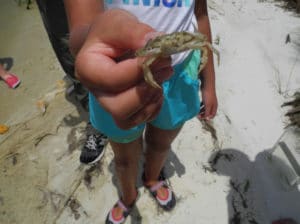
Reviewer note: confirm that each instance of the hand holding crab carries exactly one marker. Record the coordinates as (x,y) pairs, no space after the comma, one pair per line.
(166,45)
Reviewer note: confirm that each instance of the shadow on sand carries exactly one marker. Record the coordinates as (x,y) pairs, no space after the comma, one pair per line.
(255,187)
(7,62)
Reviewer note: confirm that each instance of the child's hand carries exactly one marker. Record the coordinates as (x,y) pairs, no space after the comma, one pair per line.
(112,34)
(133,106)
(210,104)
(117,84)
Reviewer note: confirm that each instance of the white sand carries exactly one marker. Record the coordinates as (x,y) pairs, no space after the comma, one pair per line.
(258,72)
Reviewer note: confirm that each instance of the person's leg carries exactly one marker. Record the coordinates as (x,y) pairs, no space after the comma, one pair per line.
(55,22)
(126,157)
(158,143)
(2,72)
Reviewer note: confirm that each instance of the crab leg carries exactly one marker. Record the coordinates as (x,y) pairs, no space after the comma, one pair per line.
(204,53)
(204,57)
(148,76)
(214,50)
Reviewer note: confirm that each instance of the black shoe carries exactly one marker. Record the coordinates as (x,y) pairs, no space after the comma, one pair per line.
(93,148)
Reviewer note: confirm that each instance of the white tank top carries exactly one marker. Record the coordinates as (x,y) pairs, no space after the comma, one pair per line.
(163,15)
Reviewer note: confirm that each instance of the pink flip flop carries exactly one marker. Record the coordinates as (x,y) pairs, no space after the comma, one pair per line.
(12,80)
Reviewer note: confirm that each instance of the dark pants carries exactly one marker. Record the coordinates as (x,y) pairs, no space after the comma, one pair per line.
(55,21)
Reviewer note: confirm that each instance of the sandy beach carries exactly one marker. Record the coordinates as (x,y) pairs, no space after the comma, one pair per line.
(219,177)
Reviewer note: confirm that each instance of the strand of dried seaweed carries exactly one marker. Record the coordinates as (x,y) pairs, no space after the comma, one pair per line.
(294,112)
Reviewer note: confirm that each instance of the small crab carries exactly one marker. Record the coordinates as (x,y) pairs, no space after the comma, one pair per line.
(166,45)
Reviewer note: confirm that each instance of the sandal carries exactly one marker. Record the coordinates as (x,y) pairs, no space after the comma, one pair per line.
(12,80)
(167,203)
(111,219)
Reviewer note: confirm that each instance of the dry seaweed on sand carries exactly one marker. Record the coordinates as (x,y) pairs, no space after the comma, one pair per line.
(293,113)
(290,4)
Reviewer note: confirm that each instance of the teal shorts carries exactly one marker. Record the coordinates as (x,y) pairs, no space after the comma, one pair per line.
(181,103)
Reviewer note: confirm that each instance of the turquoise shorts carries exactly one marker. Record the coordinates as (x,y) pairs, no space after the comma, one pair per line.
(181,103)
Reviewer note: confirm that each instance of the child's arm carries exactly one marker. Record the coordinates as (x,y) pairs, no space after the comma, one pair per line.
(81,17)
(208,73)
(110,37)
(118,85)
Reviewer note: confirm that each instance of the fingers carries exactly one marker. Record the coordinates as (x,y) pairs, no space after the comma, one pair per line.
(95,63)
(201,111)
(132,107)
(210,104)
(105,61)
(127,103)
(106,67)
(102,72)
(208,111)
(146,114)
(162,69)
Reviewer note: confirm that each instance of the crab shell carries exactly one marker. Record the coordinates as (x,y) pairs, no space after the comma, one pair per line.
(173,43)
